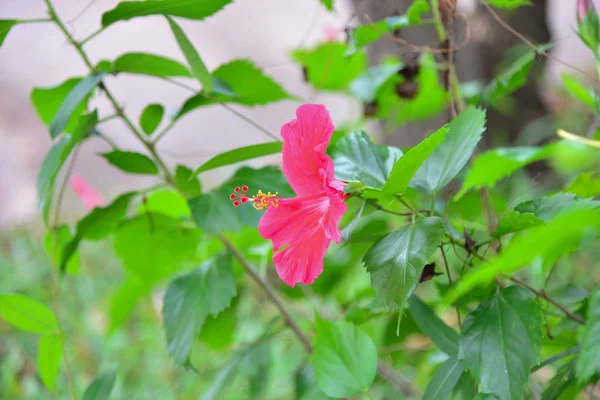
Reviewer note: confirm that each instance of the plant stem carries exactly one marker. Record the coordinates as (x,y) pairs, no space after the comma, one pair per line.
(93,35)
(451,284)
(557,357)
(34,21)
(380,208)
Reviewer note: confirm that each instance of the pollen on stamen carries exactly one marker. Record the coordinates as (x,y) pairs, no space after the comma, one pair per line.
(264,201)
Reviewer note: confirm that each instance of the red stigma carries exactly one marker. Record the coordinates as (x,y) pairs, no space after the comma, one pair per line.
(245,188)
(244,199)
(236,203)
(232,197)
(237,189)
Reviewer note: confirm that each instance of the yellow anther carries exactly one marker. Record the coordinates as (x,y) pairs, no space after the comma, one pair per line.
(262,201)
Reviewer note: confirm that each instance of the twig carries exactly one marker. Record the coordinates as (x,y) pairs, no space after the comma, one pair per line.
(34,21)
(557,357)
(451,284)
(544,295)
(380,208)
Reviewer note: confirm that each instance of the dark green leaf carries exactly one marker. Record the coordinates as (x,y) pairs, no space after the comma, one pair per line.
(187,181)
(199,70)
(559,236)
(217,332)
(101,387)
(440,334)
(548,207)
(514,221)
(366,86)
(129,161)
(329,67)
(240,154)
(349,229)
(151,118)
(446,161)
(563,380)
(5,25)
(150,64)
(191,9)
(345,359)
(496,164)
(48,100)
(73,102)
(49,359)
(161,244)
(588,361)
(445,379)
(508,3)
(102,221)
(27,314)
(57,250)
(357,158)
(580,92)
(395,261)
(328,4)
(407,166)
(191,298)
(501,341)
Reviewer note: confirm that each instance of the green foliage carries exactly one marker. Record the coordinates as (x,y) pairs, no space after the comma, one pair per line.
(514,221)
(367,85)
(27,314)
(151,117)
(508,3)
(187,181)
(47,102)
(328,4)
(585,185)
(101,387)
(132,162)
(440,334)
(548,207)
(589,30)
(445,379)
(55,244)
(580,92)
(239,155)
(49,359)
(345,359)
(588,360)
(561,382)
(5,25)
(150,64)
(501,341)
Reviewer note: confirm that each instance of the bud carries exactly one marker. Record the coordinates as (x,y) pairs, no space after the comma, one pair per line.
(583,6)
(588,25)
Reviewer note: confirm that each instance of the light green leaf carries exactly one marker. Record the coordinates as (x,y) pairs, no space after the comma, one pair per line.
(191,9)
(187,181)
(498,163)
(49,359)
(167,202)
(124,300)
(240,154)
(514,221)
(328,66)
(560,236)
(328,4)
(199,70)
(161,244)
(130,161)
(580,92)
(508,3)
(218,332)
(585,185)
(73,102)
(444,380)
(5,25)
(416,10)
(191,298)
(395,261)
(366,86)
(345,359)
(48,100)
(357,158)
(27,314)
(501,341)
(548,207)
(151,118)
(57,251)
(446,161)
(440,334)
(101,387)
(150,64)
(407,166)
(588,360)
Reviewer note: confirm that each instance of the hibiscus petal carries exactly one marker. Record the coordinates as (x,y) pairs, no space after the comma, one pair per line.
(305,141)
(85,192)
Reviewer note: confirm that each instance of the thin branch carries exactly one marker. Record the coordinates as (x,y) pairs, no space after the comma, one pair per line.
(451,284)
(380,208)
(544,295)
(248,120)
(34,21)
(557,357)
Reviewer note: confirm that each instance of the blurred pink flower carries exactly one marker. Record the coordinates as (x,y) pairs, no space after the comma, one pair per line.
(87,194)
(303,227)
(583,6)
(330,33)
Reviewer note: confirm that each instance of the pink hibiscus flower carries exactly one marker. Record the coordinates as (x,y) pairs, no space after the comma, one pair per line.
(87,194)
(302,228)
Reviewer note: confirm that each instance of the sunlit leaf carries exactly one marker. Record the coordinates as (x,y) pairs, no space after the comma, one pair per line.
(5,25)
(150,64)
(585,185)
(151,117)
(580,92)
(328,4)
(27,314)
(514,221)
(240,154)
(124,300)
(508,3)
(167,202)
(49,359)
(55,242)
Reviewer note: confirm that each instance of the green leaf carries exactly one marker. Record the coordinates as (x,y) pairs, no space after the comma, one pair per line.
(124,300)
(357,158)
(349,229)
(589,30)
(73,102)
(561,382)
(27,314)
(328,4)
(214,212)
(514,221)
(167,202)
(416,10)
(444,380)
(48,100)
(5,25)
(56,157)
(501,341)
(129,161)
(508,3)
(150,64)
(187,181)
(407,166)
(588,360)
(151,118)
(102,221)
(395,261)
(345,359)
(448,159)
(101,387)
(240,154)
(498,163)
(440,334)
(191,298)
(57,251)
(580,92)
(366,86)
(585,185)
(548,207)
(559,236)
(161,244)
(240,82)
(199,70)
(217,332)
(328,66)
(191,9)
(49,359)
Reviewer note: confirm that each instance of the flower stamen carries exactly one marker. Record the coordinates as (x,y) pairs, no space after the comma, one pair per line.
(265,201)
